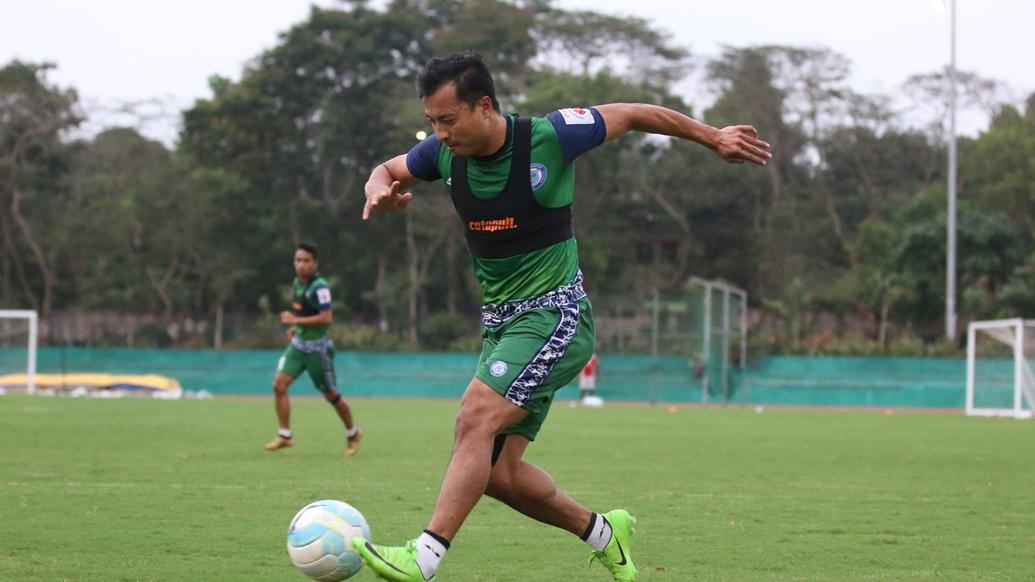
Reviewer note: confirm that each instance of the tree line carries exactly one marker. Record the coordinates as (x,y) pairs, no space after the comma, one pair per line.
(840,241)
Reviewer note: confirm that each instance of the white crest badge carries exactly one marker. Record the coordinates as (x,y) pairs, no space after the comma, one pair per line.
(498,368)
(577,116)
(538,172)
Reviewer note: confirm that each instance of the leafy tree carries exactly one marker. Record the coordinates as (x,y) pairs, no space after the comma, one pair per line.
(34,158)
(842,233)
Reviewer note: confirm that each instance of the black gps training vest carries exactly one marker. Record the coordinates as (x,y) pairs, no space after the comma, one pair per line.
(300,304)
(511,222)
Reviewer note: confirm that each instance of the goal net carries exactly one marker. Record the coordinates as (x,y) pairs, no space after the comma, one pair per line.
(688,343)
(1000,356)
(18,338)
(720,351)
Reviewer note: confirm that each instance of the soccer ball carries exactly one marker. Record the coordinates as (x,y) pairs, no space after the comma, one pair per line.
(319,540)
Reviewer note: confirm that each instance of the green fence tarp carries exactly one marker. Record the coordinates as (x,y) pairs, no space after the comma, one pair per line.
(857,381)
(792,380)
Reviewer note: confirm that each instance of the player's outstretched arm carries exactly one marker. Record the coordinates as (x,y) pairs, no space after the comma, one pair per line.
(384,186)
(735,144)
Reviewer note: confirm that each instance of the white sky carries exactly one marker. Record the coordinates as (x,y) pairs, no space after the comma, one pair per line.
(122,51)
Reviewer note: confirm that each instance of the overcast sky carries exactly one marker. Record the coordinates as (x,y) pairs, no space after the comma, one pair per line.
(116,51)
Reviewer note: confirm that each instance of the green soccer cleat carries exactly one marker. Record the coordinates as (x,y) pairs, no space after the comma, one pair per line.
(397,564)
(617,556)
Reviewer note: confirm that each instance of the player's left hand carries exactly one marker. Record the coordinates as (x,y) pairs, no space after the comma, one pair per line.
(739,143)
(287,318)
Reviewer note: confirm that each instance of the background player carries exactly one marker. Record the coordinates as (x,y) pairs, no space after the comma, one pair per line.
(310,349)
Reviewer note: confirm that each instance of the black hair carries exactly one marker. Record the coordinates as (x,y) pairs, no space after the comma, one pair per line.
(309,248)
(469,72)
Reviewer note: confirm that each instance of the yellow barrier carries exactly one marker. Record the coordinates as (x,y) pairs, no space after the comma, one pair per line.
(144,383)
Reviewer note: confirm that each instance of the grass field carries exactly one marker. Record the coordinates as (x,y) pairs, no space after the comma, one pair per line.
(182,490)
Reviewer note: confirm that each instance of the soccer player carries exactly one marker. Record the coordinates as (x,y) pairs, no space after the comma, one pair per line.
(310,350)
(512,182)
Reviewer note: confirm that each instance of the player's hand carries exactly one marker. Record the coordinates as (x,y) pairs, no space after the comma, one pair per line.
(290,333)
(287,318)
(739,143)
(385,200)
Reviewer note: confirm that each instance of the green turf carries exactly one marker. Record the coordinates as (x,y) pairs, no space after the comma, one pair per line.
(152,490)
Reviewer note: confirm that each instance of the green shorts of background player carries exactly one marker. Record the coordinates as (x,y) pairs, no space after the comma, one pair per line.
(319,364)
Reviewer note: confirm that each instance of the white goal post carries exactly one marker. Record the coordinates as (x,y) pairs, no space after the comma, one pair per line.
(719,325)
(33,324)
(1000,381)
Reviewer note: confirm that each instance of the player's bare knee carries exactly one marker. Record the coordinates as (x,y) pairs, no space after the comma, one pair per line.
(280,388)
(473,420)
(483,414)
(469,424)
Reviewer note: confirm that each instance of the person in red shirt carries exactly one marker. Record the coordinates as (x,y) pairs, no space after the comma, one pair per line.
(588,383)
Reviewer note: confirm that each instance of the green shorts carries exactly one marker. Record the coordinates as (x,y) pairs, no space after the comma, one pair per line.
(532,355)
(319,364)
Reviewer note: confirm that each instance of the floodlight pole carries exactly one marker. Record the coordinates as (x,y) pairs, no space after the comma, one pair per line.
(950,255)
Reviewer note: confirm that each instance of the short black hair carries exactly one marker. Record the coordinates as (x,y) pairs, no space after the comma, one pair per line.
(309,248)
(469,72)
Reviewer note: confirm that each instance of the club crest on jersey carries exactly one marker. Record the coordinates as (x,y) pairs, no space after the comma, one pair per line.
(538,172)
(498,368)
(577,116)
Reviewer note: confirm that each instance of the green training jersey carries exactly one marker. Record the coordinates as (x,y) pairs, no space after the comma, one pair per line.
(557,140)
(310,298)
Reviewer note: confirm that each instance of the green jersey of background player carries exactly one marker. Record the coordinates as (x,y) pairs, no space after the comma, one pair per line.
(310,349)
(512,184)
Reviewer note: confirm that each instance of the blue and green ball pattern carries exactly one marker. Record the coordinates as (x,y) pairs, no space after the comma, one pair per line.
(320,540)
